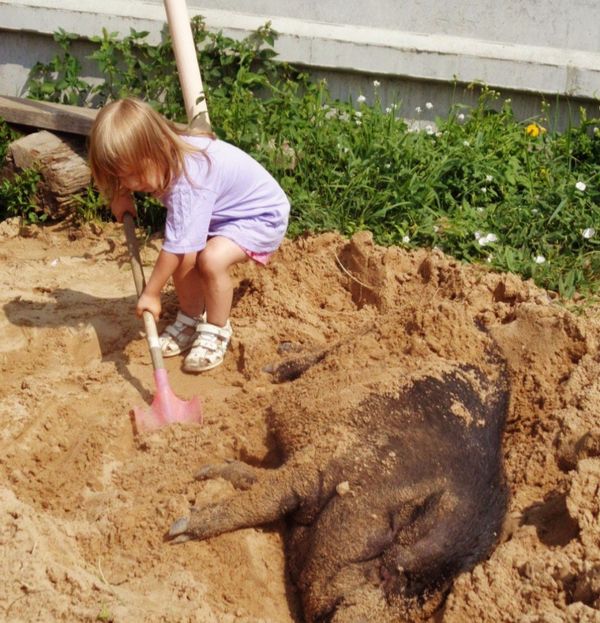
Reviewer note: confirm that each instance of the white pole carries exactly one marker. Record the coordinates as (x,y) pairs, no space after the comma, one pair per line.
(187,64)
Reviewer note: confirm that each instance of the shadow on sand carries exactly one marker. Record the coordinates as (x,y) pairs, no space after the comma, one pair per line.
(112,319)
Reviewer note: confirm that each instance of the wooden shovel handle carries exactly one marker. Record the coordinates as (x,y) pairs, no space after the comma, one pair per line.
(188,69)
(140,283)
(134,253)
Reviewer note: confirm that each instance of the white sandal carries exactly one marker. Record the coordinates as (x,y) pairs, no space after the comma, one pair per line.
(208,348)
(179,336)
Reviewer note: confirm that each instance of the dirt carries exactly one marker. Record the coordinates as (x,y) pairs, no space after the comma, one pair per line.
(85,503)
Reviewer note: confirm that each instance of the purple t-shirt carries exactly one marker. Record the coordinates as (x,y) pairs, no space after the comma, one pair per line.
(226,194)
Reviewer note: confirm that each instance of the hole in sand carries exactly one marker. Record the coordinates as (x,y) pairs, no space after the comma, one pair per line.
(554,525)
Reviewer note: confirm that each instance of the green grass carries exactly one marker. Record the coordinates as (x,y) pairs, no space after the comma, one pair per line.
(480,185)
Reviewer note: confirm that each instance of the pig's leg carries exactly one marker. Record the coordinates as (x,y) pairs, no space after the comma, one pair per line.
(274,494)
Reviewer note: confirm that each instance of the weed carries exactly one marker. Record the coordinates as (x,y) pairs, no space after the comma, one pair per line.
(18,197)
(90,206)
(104,615)
(7,135)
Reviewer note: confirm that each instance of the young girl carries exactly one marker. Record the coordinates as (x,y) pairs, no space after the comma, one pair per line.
(222,206)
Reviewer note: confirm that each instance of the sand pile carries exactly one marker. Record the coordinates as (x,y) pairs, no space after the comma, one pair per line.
(84,504)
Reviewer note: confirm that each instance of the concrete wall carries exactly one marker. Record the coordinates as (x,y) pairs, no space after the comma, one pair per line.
(418,50)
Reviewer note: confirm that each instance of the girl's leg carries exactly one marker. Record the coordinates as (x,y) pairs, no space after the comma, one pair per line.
(213,263)
(189,286)
(179,336)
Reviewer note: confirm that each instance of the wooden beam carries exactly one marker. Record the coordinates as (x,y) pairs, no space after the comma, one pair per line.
(47,115)
(62,162)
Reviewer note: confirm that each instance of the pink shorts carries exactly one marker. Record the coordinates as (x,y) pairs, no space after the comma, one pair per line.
(261,258)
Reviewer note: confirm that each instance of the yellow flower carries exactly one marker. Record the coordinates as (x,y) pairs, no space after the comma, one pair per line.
(534,130)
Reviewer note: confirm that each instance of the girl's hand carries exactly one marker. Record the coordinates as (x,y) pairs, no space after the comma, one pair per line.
(121,204)
(150,302)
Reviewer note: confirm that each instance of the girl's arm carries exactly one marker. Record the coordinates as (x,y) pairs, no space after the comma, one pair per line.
(165,266)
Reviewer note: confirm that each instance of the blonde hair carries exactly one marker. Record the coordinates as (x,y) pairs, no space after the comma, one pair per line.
(128,134)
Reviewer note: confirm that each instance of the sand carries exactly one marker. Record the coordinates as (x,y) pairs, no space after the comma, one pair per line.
(85,503)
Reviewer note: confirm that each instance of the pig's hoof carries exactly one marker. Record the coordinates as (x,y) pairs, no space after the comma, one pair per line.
(182,538)
(179,528)
(202,523)
(240,475)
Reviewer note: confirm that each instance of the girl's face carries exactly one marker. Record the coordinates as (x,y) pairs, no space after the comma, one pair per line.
(145,180)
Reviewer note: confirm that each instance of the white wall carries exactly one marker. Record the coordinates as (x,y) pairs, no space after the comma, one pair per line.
(417,49)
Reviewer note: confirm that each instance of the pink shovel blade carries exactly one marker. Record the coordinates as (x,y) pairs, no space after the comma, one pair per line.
(166,408)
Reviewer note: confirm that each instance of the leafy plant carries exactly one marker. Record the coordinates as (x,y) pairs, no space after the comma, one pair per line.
(7,135)
(18,197)
(59,80)
(479,184)
(90,206)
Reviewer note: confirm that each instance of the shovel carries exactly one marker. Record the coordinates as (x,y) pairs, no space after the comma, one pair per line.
(166,408)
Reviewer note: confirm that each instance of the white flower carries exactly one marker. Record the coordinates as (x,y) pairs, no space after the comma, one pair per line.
(439,134)
(435,229)
(580,186)
(429,129)
(539,259)
(418,110)
(489,178)
(376,83)
(388,110)
(480,209)
(466,143)
(461,117)
(489,259)
(405,239)
(361,99)
(387,165)
(477,235)
(357,113)
(483,190)
(344,116)
(429,105)
(331,114)
(588,233)
(534,210)
(487,239)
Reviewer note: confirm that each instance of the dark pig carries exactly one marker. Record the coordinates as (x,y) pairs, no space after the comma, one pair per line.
(392,482)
